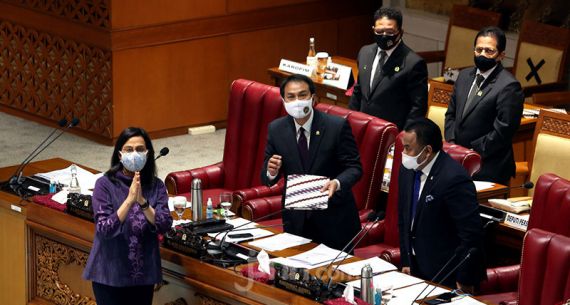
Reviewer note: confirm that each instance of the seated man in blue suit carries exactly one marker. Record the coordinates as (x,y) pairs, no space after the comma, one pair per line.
(308,141)
(438,213)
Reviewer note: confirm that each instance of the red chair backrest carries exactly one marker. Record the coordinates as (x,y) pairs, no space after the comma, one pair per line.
(551,205)
(252,106)
(545,268)
(373,138)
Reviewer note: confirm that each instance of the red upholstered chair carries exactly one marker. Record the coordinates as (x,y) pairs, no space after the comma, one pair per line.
(545,268)
(373,137)
(251,107)
(550,211)
(383,239)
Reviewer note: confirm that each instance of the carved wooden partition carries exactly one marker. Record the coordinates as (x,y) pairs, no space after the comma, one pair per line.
(164,66)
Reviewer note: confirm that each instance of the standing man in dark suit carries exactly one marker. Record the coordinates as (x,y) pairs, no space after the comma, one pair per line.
(308,141)
(392,79)
(438,213)
(486,108)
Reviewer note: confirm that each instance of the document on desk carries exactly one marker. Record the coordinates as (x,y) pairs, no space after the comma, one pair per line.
(86,178)
(378,266)
(466,301)
(405,296)
(483,185)
(320,255)
(256,233)
(280,242)
(396,279)
(304,192)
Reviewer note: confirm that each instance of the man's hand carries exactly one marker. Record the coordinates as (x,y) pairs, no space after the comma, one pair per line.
(406,270)
(273,165)
(466,288)
(331,186)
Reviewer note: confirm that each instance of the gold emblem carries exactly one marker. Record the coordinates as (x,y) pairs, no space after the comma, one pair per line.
(318,133)
(397,69)
(364,67)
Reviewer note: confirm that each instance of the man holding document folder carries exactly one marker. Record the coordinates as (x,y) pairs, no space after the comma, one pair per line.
(310,142)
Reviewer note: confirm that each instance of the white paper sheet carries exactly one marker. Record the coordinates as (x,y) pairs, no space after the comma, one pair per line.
(377,264)
(394,278)
(483,185)
(405,296)
(319,256)
(280,242)
(86,179)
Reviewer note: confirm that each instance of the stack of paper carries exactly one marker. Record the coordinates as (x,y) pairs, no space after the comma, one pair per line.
(280,242)
(304,192)
(483,185)
(378,266)
(319,256)
(86,179)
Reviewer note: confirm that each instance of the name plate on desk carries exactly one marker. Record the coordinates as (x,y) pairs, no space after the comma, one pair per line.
(295,67)
(517,221)
(338,76)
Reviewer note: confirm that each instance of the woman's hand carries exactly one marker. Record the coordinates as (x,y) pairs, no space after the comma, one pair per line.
(138,195)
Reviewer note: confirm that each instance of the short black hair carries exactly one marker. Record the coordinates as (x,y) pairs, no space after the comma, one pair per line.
(297,78)
(148,173)
(496,33)
(390,13)
(427,133)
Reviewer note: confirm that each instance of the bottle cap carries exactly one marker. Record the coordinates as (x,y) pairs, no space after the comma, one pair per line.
(312,39)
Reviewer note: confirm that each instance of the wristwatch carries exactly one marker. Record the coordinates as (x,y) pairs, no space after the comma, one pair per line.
(145,205)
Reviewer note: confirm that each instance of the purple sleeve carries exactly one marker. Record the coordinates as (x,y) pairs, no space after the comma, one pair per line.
(107,223)
(162,217)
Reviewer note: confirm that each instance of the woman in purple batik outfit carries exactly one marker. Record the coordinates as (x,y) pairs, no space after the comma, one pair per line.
(130,205)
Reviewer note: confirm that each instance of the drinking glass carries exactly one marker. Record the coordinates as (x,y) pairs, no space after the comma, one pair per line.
(322,58)
(226,202)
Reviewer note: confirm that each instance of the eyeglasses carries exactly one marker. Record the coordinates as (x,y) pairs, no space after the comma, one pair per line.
(130,149)
(487,51)
(303,95)
(388,32)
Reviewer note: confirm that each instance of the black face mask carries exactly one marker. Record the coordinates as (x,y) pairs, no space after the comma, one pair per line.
(484,63)
(386,42)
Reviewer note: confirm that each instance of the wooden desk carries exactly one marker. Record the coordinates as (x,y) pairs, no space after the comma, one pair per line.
(327,94)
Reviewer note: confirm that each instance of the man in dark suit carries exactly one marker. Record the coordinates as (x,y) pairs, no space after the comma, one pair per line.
(308,141)
(486,108)
(438,213)
(392,79)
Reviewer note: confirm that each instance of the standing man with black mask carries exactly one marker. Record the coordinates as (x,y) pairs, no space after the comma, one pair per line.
(486,108)
(392,79)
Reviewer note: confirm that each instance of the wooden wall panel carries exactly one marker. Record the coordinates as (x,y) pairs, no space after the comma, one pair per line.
(170,86)
(267,47)
(131,13)
(235,6)
(353,33)
(12,257)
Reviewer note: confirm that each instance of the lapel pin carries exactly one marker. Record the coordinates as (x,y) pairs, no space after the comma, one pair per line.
(480,93)
(431,178)
(397,69)
(318,133)
(364,67)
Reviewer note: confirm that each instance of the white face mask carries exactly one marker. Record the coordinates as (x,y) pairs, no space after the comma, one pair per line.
(410,162)
(299,108)
(133,161)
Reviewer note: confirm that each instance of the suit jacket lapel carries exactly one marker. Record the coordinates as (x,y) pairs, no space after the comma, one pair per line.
(367,73)
(291,136)
(396,59)
(485,88)
(428,186)
(317,133)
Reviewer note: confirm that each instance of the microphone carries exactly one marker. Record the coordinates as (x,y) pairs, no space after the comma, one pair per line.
(18,173)
(467,256)
(163,152)
(527,185)
(374,217)
(16,181)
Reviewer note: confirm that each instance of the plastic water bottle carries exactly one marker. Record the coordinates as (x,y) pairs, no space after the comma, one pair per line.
(74,184)
(209,209)
(52,186)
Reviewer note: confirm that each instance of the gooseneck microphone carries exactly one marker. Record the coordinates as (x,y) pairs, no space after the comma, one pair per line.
(16,177)
(373,217)
(467,256)
(163,152)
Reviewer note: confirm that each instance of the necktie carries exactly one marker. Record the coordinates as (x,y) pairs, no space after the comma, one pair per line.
(473,91)
(417,184)
(378,70)
(303,148)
